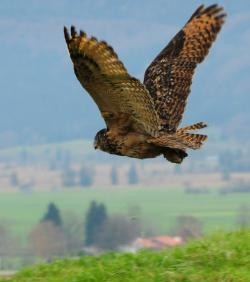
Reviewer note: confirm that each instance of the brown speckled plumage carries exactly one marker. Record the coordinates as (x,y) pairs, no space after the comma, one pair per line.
(169,76)
(142,119)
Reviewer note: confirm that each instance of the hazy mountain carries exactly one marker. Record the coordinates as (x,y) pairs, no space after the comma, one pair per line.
(41,100)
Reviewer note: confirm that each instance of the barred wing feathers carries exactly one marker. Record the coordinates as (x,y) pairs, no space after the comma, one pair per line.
(104,76)
(169,76)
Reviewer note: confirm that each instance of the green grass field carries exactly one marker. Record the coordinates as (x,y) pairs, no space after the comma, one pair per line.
(222,257)
(158,205)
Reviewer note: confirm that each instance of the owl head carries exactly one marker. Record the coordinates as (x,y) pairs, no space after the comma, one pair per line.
(101,141)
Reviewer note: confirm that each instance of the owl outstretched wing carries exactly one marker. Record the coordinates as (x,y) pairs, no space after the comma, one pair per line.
(169,76)
(115,92)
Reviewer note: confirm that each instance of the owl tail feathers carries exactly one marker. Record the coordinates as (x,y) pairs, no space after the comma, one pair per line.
(192,127)
(182,139)
(194,141)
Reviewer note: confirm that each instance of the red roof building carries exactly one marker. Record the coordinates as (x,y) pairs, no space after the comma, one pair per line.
(157,243)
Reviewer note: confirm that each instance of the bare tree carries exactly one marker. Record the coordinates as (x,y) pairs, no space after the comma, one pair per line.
(69,177)
(118,230)
(47,240)
(73,231)
(114,176)
(243,217)
(188,227)
(86,176)
(14,179)
(9,246)
(132,175)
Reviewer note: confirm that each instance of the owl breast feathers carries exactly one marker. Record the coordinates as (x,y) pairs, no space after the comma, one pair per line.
(142,119)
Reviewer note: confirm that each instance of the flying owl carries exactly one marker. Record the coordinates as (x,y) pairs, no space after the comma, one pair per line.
(142,119)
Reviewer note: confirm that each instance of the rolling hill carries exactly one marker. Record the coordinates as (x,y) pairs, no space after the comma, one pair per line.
(222,257)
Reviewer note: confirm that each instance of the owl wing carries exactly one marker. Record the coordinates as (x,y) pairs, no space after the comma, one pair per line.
(169,76)
(116,93)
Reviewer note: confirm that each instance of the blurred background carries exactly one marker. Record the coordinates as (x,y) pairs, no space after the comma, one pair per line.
(60,197)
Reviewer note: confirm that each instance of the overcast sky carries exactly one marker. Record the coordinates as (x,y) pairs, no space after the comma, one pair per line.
(36,75)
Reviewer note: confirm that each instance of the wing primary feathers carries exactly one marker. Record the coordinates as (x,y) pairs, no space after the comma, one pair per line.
(73,31)
(169,77)
(221,16)
(192,127)
(104,76)
(66,35)
(210,10)
(197,12)
(82,33)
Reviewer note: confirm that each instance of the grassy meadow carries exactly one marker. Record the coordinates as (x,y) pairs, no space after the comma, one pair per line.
(223,257)
(159,207)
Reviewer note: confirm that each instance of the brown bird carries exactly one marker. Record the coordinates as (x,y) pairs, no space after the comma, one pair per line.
(142,118)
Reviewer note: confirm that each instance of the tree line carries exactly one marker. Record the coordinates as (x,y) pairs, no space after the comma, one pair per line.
(72,177)
(73,235)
